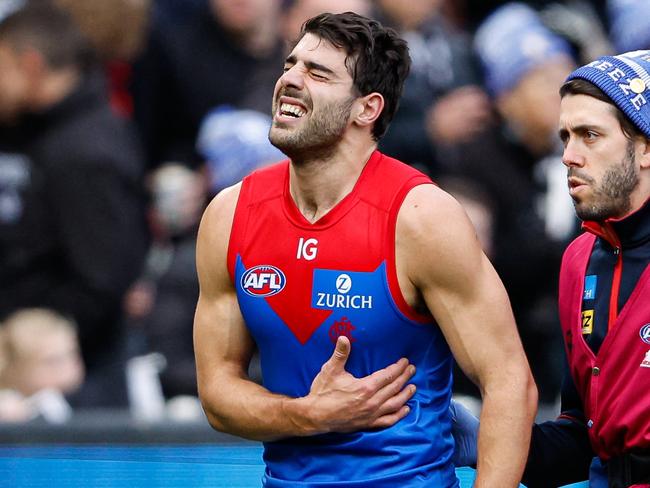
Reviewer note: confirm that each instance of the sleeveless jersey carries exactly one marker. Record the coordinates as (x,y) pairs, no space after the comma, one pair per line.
(300,285)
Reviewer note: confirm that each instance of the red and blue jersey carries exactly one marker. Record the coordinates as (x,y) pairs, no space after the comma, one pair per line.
(300,285)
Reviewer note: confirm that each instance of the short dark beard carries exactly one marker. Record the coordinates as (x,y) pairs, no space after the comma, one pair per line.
(319,138)
(612,198)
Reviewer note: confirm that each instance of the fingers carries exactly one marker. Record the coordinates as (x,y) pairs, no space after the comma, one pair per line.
(383,377)
(390,419)
(390,400)
(376,400)
(340,355)
(397,385)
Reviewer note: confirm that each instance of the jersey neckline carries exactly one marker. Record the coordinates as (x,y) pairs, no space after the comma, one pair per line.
(340,209)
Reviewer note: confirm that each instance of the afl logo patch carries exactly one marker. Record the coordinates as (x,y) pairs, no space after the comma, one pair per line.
(263,281)
(645,333)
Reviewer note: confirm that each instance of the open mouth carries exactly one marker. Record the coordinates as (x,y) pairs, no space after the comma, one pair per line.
(291,110)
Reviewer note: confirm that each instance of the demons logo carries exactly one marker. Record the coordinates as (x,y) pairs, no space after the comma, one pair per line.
(341,328)
(263,281)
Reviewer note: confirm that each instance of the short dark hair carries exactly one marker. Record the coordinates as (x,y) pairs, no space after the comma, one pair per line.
(579,86)
(377,58)
(43,26)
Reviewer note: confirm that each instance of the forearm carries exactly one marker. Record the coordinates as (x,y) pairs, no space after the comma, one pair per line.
(337,401)
(239,406)
(504,434)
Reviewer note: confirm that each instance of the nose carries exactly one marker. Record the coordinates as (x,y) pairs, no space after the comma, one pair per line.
(292,77)
(571,155)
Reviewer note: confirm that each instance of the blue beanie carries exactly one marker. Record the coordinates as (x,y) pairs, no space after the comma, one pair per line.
(626,80)
(235,142)
(510,42)
(630,24)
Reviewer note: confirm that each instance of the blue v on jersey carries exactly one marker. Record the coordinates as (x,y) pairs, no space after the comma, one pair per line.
(301,285)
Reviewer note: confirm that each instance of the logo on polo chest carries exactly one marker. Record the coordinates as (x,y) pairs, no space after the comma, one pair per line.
(334,289)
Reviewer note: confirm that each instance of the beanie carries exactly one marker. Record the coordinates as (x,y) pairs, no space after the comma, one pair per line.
(510,42)
(625,79)
(235,142)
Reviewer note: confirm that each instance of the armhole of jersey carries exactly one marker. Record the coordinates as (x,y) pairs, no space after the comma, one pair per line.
(238,228)
(391,265)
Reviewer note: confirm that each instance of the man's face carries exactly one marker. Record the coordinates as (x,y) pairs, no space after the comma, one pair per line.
(48,360)
(533,105)
(603,174)
(14,83)
(312,101)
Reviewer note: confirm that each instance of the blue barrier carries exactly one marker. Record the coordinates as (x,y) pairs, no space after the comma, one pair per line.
(214,466)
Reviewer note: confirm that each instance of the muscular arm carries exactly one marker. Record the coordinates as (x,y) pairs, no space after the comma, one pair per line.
(439,256)
(223,347)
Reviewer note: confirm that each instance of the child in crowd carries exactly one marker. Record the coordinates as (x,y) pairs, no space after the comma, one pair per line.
(40,362)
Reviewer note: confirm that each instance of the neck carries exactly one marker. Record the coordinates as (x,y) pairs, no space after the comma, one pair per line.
(641,197)
(318,184)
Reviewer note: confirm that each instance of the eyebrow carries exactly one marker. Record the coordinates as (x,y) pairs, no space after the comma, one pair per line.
(580,129)
(310,65)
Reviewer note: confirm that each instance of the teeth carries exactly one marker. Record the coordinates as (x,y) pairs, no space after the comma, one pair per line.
(295,110)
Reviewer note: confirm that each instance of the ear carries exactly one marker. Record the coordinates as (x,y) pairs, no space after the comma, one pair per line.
(367,109)
(645,153)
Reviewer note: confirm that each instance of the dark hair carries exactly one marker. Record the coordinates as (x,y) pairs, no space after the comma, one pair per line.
(377,58)
(42,26)
(578,86)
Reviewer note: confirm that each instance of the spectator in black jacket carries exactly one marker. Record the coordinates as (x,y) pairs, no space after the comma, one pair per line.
(443,105)
(72,230)
(224,53)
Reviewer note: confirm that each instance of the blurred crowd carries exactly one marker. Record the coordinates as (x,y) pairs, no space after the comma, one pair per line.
(120,119)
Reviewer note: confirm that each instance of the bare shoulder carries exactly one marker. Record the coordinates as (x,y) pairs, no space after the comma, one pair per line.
(214,235)
(434,235)
(221,209)
(429,215)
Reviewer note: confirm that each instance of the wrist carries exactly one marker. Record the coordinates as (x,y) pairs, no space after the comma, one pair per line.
(302,414)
